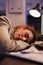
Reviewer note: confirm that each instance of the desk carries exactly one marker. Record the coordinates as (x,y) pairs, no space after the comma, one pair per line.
(9,60)
(12,60)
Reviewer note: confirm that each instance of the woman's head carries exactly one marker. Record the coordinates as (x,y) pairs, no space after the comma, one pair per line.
(25,33)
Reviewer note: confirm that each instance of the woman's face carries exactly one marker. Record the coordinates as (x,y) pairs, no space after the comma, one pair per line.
(23,34)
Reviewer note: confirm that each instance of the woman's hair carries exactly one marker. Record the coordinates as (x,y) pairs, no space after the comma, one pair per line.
(27,27)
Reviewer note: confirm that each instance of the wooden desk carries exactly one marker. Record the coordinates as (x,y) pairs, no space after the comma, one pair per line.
(8,60)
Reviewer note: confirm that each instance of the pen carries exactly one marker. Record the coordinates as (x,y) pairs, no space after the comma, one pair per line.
(25,52)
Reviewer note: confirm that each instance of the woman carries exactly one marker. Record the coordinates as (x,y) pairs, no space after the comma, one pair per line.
(22,37)
(7,43)
(25,33)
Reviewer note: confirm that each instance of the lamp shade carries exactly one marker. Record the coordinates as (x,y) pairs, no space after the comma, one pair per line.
(35,12)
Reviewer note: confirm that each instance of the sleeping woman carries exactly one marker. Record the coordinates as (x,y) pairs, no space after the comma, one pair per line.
(23,36)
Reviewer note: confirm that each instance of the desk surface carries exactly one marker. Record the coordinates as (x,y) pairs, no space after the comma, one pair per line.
(16,61)
(29,54)
(12,60)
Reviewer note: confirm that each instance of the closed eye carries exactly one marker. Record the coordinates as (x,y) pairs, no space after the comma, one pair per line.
(27,35)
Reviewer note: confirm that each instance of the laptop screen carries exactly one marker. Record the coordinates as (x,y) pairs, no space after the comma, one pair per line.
(42,25)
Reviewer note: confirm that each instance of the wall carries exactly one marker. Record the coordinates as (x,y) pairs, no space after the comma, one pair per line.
(31,3)
(20,19)
(16,19)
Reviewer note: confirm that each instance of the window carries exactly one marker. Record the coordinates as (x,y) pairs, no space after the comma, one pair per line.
(2,7)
